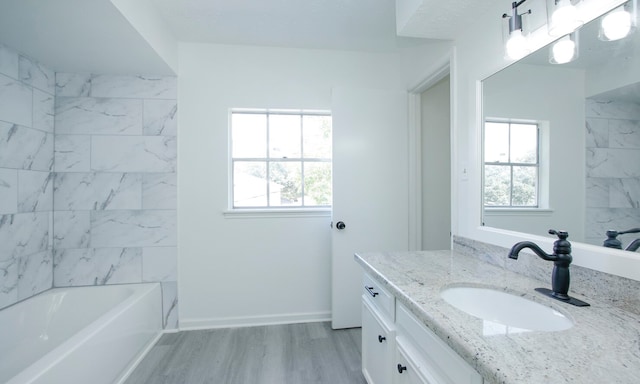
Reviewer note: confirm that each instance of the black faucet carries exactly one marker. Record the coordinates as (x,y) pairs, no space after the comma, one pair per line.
(612,241)
(561,258)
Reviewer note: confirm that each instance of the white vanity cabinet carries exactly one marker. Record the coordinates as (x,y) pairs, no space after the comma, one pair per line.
(432,359)
(378,332)
(397,348)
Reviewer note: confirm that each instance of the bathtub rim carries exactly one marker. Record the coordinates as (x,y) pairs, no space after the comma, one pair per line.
(38,368)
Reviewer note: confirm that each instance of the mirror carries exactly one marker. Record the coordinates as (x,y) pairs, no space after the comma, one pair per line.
(588,117)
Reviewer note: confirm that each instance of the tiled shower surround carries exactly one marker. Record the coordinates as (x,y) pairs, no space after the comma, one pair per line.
(95,198)
(613,169)
(26,180)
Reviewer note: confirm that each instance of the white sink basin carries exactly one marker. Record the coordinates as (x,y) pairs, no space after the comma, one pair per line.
(506,309)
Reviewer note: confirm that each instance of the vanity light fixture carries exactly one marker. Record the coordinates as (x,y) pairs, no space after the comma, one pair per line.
(564,19)
(517,45)
(565,50)
(618,23)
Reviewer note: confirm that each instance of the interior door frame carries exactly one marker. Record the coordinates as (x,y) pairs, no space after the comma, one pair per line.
(438,72)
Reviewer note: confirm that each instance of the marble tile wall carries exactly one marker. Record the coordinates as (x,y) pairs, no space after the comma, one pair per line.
(27,91)
(115,185)
(613,169)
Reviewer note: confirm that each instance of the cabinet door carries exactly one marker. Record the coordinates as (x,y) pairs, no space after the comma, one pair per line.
(404,371)
(377,346)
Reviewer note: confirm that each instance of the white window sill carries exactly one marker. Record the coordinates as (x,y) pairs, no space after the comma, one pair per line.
(276,213)
(517,211)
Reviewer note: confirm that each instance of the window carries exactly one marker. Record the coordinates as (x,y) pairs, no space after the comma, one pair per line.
(511,164)
(280,159)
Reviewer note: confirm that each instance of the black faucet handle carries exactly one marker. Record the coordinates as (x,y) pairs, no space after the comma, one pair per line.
(612,240)
(632,230)
(562,245)
(562,235)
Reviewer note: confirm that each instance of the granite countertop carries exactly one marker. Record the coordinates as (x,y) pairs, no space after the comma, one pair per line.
(603,346)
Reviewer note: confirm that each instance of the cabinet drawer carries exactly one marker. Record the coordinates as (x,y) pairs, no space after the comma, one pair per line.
(405,371)
(380,297)
(378,342)
(436,358)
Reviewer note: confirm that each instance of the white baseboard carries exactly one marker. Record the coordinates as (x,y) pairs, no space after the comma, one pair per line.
(253,321)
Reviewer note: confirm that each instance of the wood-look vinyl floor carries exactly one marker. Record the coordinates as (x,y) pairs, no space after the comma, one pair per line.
(277,354)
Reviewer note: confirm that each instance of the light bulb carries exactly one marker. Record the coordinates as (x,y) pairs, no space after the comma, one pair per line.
(563,51)
(616,25)
(565,19)
(517,46)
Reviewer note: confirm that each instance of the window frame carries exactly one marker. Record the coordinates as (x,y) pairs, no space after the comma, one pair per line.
(271,210)
(541,171)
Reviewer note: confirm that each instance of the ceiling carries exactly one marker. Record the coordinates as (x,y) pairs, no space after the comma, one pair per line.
(93,36)
(323,24)
(77,36)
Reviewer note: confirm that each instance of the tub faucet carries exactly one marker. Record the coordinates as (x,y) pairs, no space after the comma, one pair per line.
(561,258)
(633,246)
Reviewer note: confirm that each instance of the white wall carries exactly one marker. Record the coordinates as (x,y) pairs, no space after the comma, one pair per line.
(242,270)
(554,95)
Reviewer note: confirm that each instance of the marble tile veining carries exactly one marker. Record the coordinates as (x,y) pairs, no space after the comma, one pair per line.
(602,219)
(597,133)
(37,75)
(35,191)
(72,153)
(161,117)
(597,191)
(35,274)
(170,304)
(624,133)
(101,116)
(73,84)
(611,162)
(23,234)
(146,228)
(43,111)
(97,191)
(8,191)
(159,191)
(72,229)
(25,148)
(624,193)
(133,154)
(601,347)
(97,266)
(612,109)
(8,281)
(16,100)
(139,86)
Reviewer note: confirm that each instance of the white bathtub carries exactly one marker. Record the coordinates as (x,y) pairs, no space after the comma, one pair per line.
(78,335)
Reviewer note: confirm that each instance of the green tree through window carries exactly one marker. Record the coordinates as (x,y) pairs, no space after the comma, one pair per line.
(511,163)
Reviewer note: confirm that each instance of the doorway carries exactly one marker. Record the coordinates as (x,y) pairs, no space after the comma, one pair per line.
(435,165)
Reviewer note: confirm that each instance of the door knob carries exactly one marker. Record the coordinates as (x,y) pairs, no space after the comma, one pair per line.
(340,225)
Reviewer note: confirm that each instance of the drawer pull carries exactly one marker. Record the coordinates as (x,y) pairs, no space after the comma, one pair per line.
(370,290)
(401,368)
(381,338)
